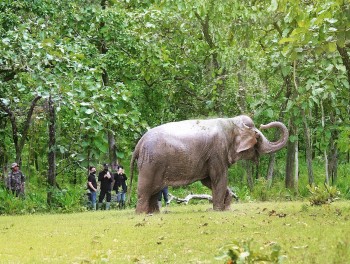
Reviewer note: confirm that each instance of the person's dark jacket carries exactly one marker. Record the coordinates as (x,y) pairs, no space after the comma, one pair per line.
(106,183)
(120,181)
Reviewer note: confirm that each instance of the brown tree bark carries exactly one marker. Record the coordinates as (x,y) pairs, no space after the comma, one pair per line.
(308,149)
(18,141)
(112,147)
(345,58)
(51,178)
(333,154)
(290,163)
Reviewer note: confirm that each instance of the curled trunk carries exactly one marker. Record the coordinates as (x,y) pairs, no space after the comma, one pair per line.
(265,146)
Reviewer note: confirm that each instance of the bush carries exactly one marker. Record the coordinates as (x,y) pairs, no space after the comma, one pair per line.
(31,203)
(322,194)
(69,199)
(261,190)
(247,252)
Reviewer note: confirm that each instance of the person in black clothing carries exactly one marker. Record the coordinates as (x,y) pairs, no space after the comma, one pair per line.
(120,182)
(92,187)
(106,179)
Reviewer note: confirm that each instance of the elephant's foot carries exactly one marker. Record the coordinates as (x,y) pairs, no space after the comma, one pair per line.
(218,207)
(142,206)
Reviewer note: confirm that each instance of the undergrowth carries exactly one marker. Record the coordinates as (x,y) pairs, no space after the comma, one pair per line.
(72,197)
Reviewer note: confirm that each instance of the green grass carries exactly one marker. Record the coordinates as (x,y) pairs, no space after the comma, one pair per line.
(185,234)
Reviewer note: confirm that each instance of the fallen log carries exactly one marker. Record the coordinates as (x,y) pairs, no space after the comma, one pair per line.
(196,196)
(189,197)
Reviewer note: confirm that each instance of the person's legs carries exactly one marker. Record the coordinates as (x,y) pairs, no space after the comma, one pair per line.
(160,199)
(109,197)
(100,198)
(118,197)
(93,200)
(166,195)
(122,199)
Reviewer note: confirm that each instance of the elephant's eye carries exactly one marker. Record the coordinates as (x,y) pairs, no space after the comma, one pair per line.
(248,125)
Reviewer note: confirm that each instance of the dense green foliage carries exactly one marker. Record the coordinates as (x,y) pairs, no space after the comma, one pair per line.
(115,68)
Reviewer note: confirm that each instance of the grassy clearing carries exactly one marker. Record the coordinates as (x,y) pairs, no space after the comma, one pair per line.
(186,234)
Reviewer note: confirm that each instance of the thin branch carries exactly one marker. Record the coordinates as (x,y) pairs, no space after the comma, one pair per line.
(27,122)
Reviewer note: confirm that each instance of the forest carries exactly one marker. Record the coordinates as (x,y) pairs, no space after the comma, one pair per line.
(82,80)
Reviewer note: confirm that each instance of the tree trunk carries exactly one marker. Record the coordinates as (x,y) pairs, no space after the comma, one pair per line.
(290,163)
(346,60)
(296,167)
(248,165)
(112,150)
(20,141)
(26,126)
(51,178)
(325,150)
(270,170)
(333,153)
(308,149)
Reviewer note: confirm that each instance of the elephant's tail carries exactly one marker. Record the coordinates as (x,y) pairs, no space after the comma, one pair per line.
(134,157)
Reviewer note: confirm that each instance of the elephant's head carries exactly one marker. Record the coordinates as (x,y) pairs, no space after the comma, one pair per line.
(251,142)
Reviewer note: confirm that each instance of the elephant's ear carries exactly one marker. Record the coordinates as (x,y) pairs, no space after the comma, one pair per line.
(246,140)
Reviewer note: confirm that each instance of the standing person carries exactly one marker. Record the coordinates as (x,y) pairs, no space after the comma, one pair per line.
(92,186)
(120,181)
(106,179)
(16,180)
(164,192)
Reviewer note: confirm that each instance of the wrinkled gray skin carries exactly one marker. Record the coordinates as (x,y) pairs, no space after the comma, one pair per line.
(180,153)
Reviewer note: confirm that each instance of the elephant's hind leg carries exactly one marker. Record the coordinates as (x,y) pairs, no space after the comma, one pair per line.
(142,205)
(228,199)
(153,204)
(147,204)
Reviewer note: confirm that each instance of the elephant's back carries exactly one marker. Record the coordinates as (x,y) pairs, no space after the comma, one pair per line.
(186,128)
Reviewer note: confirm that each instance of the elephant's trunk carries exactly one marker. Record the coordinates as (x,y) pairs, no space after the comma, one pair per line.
(265,146)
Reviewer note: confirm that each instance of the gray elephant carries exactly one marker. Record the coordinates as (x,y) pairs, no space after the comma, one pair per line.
(180,153)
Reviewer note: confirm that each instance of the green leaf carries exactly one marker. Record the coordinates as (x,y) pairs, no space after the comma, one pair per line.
(101,145)
(286,70)
(332,46)
(273,6)
(89,111)
(285,40)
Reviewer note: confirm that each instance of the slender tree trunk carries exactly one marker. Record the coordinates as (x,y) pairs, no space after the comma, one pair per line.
(333,153)
(112,148)
(346,60)
(249,170)
(52,151)
(290,163)
(270,169)
(296,167)
(20,141)
(26,128)
(308,149)
(333,161)
(325,150)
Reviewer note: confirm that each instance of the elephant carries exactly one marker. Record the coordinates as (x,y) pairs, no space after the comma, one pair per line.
(180,153)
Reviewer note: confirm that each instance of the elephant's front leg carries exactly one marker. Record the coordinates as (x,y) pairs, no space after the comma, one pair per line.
(219,188)
(227,197)
(219,194)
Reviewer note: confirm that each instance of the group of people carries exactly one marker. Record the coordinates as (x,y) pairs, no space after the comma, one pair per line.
(108,181)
